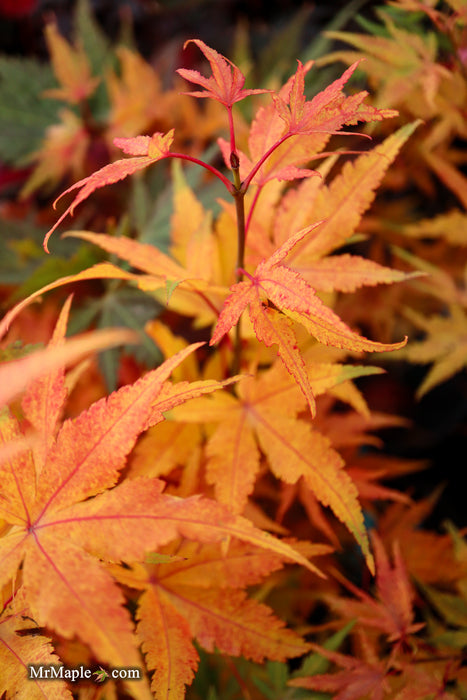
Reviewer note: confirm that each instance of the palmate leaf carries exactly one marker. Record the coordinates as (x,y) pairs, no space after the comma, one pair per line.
(360,678)
(294,296)
(264,420)
(226,83)
(19,649)
(329,110)
(145,150)
(266,130)
(71,68)
(391,612)
(444,346)
(65,517)
(198,595)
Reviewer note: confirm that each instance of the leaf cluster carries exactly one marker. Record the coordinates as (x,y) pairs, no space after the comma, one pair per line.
(225,509)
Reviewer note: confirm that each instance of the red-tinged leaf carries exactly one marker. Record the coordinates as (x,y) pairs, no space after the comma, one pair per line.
(157,147)
(391,613)
(90,450)
(289,244)
(165,632)
(18,651)
(267,137)
(234,484)
(282,164)
(271,328)
(346,273)
(295,450)
(16,375)
(360,679)
(176,394)
(235,625)
(242,293)
(235,304)
(195,595)
(329,329)
(43,401)
(294,296)
(292,448)
(17,474)
(121,524)
(329,110)
(59,540)
(167,645)
(90,606)
(226,83)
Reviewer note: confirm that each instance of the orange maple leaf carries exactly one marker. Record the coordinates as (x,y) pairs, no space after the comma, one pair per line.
(264,419)
(293,295)
(22,643)
(64,518)
(71,67)
(391,611)
(361,678)
(146,151)
(329,110)
(226,83)
(198,595)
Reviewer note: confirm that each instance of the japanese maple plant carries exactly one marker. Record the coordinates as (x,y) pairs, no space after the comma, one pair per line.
(134,528)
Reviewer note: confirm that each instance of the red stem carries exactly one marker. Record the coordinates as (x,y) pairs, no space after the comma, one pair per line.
(211,168)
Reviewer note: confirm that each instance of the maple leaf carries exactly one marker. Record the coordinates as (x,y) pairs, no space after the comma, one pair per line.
(197,595)
(392,613)
(266,132)
(101,675)
(19,650)
(329,110)
(71,68)
(226,83)
(146,151)
(431,682)
(339,204)
(361,678)
(264,417)
(63,150)
(132,109)
(292,294)
(68,519)
(389,60)
(189,289)
(444,345)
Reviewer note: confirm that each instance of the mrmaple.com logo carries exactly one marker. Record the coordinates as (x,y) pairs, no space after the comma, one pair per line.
(60,672)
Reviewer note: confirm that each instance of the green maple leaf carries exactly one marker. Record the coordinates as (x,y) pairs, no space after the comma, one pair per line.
(101,675)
